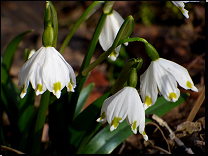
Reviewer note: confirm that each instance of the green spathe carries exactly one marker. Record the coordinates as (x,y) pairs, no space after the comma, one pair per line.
(151,52)
(48,35)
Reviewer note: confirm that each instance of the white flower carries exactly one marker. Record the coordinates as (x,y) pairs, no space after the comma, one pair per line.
(126,103)
(46,69)
(161,76)
(180,5)
(110,29)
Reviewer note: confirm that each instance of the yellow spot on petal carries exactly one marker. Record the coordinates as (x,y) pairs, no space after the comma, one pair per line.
(71,82)
(134,125)
(57,86)
(103,115)
(39,87)
(188,84)
(23,90)
(113,53)
(70,86)
(115,121)
(172,95)
(148,100)
(143,133)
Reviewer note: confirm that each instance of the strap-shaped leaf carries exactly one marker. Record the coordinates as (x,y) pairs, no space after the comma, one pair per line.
(83,122)
(83,98)
(9,55)
(26,107)
(106,141)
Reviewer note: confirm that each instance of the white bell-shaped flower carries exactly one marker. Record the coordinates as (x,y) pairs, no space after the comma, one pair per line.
(126,103)
(161,76)
(109,31)
(181,5)
(47,69)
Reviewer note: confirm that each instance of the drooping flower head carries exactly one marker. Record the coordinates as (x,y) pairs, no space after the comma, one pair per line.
(161,76)
(46,69)
(110,29)
(126,103)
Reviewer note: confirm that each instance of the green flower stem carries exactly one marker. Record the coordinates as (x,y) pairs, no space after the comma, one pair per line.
(124,32)
(47,14)
(40,122)
(93,42)
(98,61)
(80,78)
(150,50)
(77,24)
(132,40)
(55,22)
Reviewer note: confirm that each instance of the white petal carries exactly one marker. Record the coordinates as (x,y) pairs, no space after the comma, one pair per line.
(71,74)
(136,111)
(108,34)
(166,84)
(26,71)
(55,72)
(180,73)
(35,77)
(148,86)
(180,5)
(118,107)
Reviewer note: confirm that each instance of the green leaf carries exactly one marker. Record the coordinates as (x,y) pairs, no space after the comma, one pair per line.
(8,103)
(105,141)
(26,107)
(83,98)
(84,121)
(88,12)
(8,56)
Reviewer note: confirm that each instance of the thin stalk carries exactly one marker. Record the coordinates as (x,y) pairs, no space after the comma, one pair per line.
(43,107)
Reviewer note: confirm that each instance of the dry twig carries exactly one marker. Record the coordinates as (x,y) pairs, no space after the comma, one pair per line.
(162,134)
(172,134)
(5,148)
(197,105)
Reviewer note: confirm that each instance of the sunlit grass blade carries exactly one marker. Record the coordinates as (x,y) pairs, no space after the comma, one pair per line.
(105,141)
